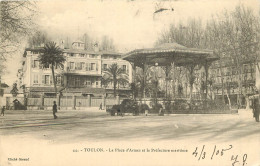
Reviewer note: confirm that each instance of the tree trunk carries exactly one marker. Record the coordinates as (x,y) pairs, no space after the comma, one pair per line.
(55,86)
(222,88)
(53,78)
(115,88)
(239,88)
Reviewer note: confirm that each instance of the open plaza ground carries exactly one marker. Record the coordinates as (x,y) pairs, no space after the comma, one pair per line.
(78,136)
(97,125)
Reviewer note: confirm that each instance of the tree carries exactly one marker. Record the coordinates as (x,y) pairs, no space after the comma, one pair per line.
(238,32)
(52,56)
(105,81)
(153,86)
(14,90)
(38,39)
(107,44)
(115,75)
(89,42)
(233,36)
(16,22)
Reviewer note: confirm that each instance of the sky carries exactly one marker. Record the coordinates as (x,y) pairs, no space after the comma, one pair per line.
(131,24)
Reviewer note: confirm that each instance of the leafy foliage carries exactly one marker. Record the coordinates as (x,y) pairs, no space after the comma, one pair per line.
(52,55)
(16,22)
(115,75)
(14,90)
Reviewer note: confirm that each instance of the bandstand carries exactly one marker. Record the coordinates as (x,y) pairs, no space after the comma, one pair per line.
(165,55)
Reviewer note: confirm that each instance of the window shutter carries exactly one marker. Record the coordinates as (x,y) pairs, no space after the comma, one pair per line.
(87,66)
(43,79)
(32,63)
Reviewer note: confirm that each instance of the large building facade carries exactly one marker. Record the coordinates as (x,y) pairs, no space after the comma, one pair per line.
(81,75)
(225,74)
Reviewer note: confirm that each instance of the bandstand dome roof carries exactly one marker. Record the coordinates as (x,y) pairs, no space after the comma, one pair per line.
(167,53)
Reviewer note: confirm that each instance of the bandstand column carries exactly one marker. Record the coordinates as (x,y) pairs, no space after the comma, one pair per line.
(145,68)
(207,73)
(166,69)
(134,77)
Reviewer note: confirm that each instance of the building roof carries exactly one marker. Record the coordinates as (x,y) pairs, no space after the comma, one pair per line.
(91,52)
(77,51)
(110,53)
(38,49)
(78,41)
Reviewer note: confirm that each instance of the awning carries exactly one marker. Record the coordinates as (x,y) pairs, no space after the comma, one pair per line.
(44,89)
(84,90)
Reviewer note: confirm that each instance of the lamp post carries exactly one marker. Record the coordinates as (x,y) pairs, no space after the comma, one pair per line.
(156,90)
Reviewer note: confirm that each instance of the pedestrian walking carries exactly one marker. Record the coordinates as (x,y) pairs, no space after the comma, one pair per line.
(54,109)
(3,111)
(100,106)
(256,109)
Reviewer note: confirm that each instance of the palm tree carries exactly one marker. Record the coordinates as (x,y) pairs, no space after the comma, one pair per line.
(52,56)
(104,82)
(116,75)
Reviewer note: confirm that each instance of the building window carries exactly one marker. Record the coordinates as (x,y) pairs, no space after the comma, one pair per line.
(104,66)
(46,66)
(78,66)
(77,81)
(81,55)
(88,83)
(124,68)
(93,66)
(46,79)
(35,64)
(82,64)
(92,56)
(71,65)
(71,81)
(87,67)
(58,80)
(93,81)
(35,79)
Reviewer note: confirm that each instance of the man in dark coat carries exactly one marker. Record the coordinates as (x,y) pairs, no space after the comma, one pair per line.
(3,111)
(54,109)
(256,109)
